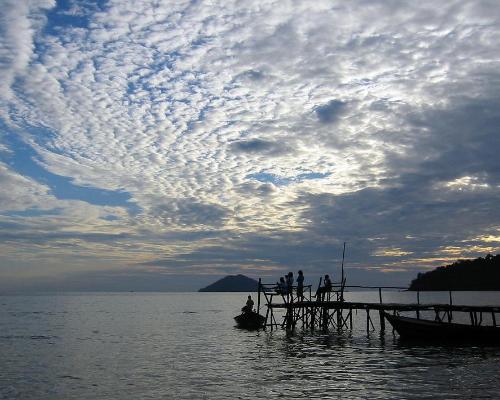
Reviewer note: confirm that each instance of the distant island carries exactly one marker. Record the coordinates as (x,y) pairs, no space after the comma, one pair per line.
(478,274)
(233,283)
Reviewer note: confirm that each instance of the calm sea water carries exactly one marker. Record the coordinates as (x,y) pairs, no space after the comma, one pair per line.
(185,346)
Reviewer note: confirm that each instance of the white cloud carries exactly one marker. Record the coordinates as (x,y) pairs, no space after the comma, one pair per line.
(178,104)
(19,193)
(19,22)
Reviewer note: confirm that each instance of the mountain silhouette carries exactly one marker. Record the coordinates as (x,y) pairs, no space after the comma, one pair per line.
(233,283)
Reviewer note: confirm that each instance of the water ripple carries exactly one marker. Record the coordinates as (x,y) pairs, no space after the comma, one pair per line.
(186,347)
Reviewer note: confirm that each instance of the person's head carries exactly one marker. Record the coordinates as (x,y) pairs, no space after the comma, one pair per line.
(249,297)
(282,279)
(290,274)
(327,276)
(300,272)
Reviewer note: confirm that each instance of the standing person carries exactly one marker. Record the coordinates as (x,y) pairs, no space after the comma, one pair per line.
(328,284)
(326,288)
(300,286)
(281,286)
(289,282)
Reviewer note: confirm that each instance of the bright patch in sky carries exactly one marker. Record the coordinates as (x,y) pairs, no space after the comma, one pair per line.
(24,160)
(279,181)
(206,138)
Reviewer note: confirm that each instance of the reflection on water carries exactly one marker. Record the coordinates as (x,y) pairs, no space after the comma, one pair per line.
(185,346)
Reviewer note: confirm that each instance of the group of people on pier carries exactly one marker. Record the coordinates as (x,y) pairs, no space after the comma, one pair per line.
(285,286)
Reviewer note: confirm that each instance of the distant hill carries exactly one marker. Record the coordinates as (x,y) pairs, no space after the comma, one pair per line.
(478,274)
(233,283)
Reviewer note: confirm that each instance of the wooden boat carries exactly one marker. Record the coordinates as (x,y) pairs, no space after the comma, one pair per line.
(444,332)
(250,320)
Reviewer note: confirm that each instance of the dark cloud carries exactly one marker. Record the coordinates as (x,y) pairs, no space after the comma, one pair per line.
(189,212)
(276,249)
(330,112)
(259,189)
(25,234)
(462,139)
(273,255)
(259,146)
(397,213)
(252,75)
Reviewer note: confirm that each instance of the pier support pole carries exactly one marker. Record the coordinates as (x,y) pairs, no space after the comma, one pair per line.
(289,318)
(450,313)
(258,298)
(381,312)
(382,320)
(313,317)
(418,303)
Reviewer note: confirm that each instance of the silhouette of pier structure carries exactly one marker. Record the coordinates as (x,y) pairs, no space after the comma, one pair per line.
(330,310)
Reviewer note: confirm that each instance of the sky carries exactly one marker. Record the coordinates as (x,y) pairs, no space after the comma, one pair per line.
(161,145)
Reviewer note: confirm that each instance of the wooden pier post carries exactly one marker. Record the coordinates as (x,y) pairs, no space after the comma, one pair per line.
(319,313)
(418,303)
(289,317)
(325,318)
(381,312)
(450,314)
(258,297)
(313,317)
(382,320)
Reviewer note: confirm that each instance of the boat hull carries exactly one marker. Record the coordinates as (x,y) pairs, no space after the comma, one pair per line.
(250,320)
(444,332)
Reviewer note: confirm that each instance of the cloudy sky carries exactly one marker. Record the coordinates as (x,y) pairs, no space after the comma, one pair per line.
(160,145)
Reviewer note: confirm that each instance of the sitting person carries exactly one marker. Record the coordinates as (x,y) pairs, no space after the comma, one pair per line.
(249,305)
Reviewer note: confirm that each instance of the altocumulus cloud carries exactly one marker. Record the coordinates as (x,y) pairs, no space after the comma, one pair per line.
(205,138)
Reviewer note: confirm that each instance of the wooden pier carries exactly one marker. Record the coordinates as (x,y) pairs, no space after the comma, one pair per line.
(332,311)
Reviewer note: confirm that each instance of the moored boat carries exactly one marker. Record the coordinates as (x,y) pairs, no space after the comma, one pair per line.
(250,320)
(444,332)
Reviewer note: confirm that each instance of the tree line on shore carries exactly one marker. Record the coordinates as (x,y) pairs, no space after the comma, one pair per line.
(477,274)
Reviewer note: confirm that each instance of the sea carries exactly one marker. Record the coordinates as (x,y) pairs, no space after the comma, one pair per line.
(186,346)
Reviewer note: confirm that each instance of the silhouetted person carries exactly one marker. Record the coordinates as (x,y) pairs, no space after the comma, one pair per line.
(328,284)
(281,286)
(326,288)
(300,286)
(289,282)
(249,305)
